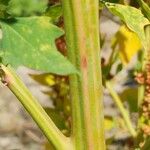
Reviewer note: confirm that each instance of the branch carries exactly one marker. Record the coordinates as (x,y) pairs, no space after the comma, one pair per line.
(53,134)
(123,111)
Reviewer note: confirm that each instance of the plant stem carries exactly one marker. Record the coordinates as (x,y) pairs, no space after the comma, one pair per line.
(141,89)
(144,60)
(52,133)
(82,34)
(123,111)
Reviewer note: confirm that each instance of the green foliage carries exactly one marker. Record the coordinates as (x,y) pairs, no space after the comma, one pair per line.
(3,8)
(145,8)
(59,95)
(26,7)
(30,42)
(45,79)
(55,12)
(130,96)
(56,117)
(13,8)
(132,17)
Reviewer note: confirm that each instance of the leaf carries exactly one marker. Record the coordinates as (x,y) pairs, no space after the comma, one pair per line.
(44,79)
(27,7)
(30,41)
(109,123)
(49,146)
(119,68)
(59,121)
(132,17)
(127,43)
(145,8)
(3,8)
(56,117)
(130,95)
(55,12)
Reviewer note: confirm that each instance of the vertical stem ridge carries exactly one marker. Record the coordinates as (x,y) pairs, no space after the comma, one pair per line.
(82,35)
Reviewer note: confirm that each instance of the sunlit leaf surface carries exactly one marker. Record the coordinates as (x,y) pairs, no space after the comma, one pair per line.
(30,41)
(132,17)
(127,43)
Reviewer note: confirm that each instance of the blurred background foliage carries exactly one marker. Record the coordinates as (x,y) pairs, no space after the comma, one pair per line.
(17,8)
(26,7)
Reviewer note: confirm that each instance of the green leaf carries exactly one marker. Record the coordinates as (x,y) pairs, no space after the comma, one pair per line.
(119,68)
(132,17)
(30,41)
(56,117)
(55,12)
(130,96)
(3,8)
(27,7)
(4,2)
(145,8)
(45,79)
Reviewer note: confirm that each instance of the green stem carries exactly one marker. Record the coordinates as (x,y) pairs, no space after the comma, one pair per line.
(52,133)
(82,34)
(144,62)
(141,89)
(123,111)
